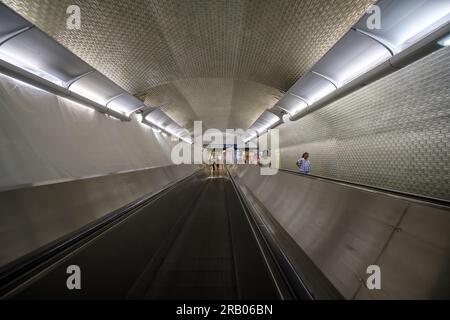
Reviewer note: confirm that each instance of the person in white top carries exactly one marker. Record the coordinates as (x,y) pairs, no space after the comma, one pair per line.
(304,164)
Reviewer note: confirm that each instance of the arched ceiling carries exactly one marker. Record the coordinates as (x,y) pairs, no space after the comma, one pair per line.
(220,61)
(221,103)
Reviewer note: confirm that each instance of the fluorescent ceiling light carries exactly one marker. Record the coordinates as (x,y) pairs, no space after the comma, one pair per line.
(96,87)
(32,54)
(286,118)
(42,56)
(253,136)
(445,42)
(262,124)
(405,22)
(187,140)
(250,139)
(353,55)
(248,135)
(312,88)
(11,23)
(160,119)
(126,104)
(265,121)
(147,123)
(292,104)
(269,118)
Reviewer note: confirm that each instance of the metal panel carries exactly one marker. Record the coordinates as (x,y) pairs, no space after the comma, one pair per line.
(10,23)
(96,87)
(34,217)
(40,55)
(345,229)
(159,118)
(353,55)
(125,104)
(267,119)
(163,121)
(404,22)
(415,264)
(264,122)
(311,277)
(292,104)
(312,87)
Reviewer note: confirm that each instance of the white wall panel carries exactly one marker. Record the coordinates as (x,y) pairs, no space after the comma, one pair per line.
(44,138)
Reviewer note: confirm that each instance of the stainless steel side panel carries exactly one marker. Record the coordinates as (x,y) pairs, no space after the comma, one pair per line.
(416,261)
(33,217)
(345,229)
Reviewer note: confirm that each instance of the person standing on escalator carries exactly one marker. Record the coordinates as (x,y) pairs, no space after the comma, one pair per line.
(304,164)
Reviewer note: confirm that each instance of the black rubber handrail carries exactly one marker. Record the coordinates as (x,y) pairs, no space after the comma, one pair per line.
(294,282)
(387,192)
(19,268)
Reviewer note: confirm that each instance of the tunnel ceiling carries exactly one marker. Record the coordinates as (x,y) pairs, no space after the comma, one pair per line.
(223,62)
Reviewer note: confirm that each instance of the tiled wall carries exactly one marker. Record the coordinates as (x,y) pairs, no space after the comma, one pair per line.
(391,134)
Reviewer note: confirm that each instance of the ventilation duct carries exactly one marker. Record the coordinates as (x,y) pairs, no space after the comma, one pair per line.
(159,118)
(40,55)
(354,55)
(30,55)
(96,87)
(312,87)
(11,23)
(126,104)
(162,121)
(261,125)
(292,104)
(405,22)
(264,122)
(410,29)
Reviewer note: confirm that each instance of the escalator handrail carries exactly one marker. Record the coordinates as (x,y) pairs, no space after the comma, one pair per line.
(300,290)
(19,268)
(383,191)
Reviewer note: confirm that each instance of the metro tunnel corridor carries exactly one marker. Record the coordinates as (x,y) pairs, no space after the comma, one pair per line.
(225,150)
(194,242)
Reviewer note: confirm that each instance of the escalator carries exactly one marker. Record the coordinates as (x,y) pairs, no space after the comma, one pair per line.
(206,247)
